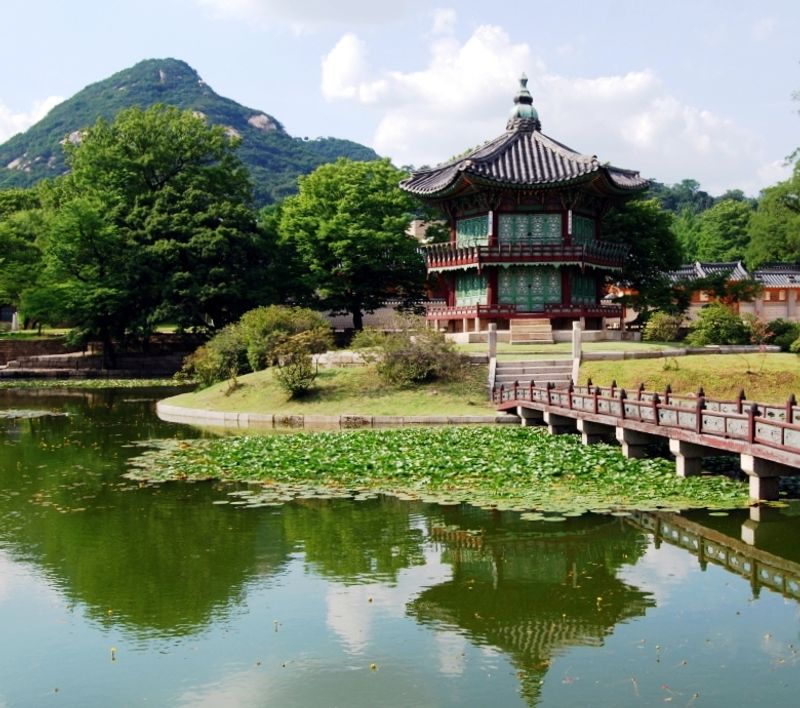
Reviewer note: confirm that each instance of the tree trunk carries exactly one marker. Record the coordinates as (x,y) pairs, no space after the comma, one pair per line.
(358,318)
(109,353)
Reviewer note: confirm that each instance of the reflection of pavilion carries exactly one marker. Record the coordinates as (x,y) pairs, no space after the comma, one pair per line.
(534,592)
(762,567)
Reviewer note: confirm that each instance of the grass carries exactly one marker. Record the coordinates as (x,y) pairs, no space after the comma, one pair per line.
(561,349)
(769,378)
(356,390)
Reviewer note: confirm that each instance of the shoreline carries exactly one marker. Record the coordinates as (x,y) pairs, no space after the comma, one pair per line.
(345,421)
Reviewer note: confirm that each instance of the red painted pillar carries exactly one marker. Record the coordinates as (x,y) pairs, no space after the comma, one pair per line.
(491,287)
(566,286)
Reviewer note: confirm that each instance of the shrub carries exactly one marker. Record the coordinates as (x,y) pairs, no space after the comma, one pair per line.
(221,357)
(295,372)
(662,327)
(413,354)
(784,333)
(256,341)
(760,332)
(267,329)
(794,347)
(718,324)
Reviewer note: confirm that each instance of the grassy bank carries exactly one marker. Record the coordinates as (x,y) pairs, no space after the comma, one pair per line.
(764,377)
(562,349)
(349,390)
(505,467)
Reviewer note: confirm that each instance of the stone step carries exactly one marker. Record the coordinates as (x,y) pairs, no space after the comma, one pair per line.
(538,331)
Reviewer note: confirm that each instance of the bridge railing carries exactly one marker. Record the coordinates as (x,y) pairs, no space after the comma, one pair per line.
(739,419)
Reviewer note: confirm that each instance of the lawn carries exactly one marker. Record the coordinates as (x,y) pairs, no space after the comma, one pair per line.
(764,377)
(561,350)
(356,390)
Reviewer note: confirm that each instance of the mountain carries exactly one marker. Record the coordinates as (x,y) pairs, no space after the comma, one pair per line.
(274,157)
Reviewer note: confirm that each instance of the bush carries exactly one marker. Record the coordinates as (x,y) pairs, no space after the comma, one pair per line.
(718,324)
(413,354)
(267,329)
(794,347)
(221,357)
(295,372)
(759,330)
(256,342)
(662,327)
(784,333)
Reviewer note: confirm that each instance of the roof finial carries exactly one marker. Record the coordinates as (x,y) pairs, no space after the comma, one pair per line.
(523,115)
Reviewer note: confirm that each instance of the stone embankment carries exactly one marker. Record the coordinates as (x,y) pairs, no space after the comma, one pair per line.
(196,416)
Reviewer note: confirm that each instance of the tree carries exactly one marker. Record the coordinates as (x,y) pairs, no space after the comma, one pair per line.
(723,231)
(775,225)
(20,258)
(153,223)
(347,225)
(685,227)
(654,250)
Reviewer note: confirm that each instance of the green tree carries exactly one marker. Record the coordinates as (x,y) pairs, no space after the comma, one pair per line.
(685,227)
(347,225)
(21,221)
(153,223)
(775,225)
(646,229)
(723,231)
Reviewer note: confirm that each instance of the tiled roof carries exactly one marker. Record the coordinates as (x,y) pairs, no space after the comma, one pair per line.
(783,275)
(521,158)
(697,270)
(770,275)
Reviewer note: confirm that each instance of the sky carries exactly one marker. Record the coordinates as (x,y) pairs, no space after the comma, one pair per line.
(698,89)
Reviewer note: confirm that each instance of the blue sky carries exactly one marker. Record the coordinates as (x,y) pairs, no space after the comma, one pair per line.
(674,89)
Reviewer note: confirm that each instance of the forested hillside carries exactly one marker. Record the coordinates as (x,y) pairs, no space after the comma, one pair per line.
(274,158)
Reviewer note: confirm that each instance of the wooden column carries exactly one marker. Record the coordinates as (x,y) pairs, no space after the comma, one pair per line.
(491,287)
(566,286)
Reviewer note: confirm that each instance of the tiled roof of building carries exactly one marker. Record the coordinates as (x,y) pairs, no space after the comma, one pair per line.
(770,275)
(778,275)
(522,157)
(698,270)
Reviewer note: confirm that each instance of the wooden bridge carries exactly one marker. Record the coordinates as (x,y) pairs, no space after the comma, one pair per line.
(765,436)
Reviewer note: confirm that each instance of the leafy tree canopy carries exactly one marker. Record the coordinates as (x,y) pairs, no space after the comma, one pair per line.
(347,226)
(723,231)
(775,225)
(646,229)
(153,223)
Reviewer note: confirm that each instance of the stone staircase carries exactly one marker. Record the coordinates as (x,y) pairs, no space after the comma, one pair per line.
(540,371)
(535,331)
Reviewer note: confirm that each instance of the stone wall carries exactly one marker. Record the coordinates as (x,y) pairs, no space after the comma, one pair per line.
(16,348)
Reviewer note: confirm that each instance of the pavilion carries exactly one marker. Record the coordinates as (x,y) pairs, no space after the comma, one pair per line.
(526,250)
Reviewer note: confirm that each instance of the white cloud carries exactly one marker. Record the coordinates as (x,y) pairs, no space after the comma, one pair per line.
(344,71)
(308,15)
(764,28)
(462,96)
(12,122)
(444,20)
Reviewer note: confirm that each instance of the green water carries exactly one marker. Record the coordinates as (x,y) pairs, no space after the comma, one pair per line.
(112,594)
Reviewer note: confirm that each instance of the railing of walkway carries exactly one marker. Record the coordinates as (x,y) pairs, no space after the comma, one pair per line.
(739,419)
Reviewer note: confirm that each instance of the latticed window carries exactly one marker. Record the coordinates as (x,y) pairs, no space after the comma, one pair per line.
(529,287)
(473,231)
(582,289)
(582,229)
(529,228)
(470,289)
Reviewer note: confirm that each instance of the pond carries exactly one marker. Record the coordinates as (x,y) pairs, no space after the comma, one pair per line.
(116,593)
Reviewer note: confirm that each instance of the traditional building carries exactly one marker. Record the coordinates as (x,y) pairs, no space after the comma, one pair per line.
(525,245)
(778,299)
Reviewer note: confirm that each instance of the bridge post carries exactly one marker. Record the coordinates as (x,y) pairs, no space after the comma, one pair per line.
(764,476)
(559,424)
(634,443)
(529,416)
(592,432)
(688,457)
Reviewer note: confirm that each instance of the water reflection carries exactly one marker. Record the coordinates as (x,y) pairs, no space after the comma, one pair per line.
(453,605)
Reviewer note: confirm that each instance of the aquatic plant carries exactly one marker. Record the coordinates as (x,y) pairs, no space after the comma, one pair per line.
(498,467)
